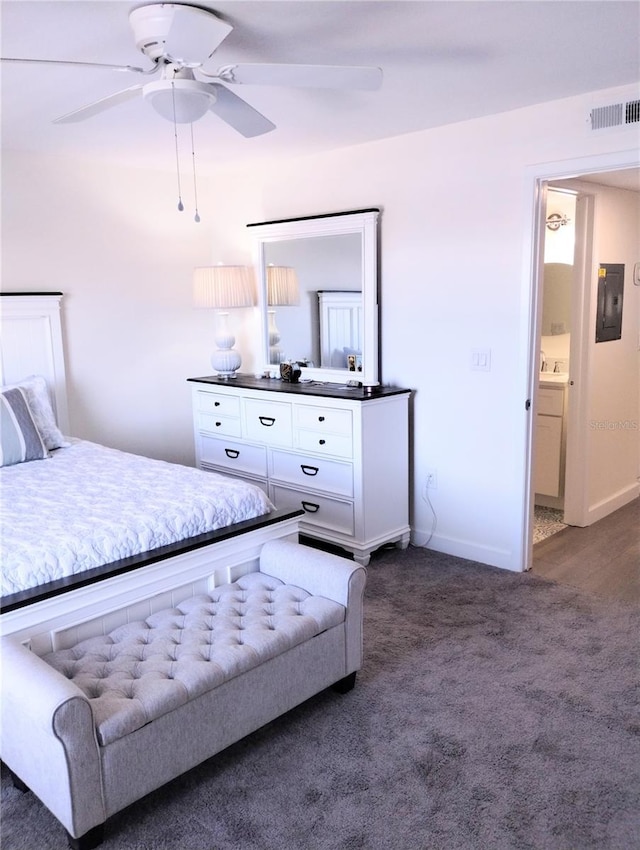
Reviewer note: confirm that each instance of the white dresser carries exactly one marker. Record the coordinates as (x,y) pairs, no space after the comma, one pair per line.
(339,454)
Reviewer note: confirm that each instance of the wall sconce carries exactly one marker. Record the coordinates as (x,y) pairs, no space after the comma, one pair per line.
(282,291)
(223,288)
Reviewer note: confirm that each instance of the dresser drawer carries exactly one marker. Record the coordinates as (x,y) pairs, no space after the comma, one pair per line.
(230,473)
(324,443)
(330,419)
(217,403)
(240,457)
(268,422)
(318,510)
(313,473)
(216,424)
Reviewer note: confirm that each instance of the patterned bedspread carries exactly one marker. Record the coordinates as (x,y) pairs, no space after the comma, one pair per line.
(89,505)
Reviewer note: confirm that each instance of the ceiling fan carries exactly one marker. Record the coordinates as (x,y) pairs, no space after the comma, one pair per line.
(180,41)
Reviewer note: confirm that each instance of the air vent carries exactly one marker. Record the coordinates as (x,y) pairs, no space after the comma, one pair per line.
(615,115)
(632,112)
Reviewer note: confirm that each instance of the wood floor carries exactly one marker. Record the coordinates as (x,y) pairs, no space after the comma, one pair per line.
(603,559)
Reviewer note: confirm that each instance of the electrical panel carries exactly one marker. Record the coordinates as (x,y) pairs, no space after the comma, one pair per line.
(609,307)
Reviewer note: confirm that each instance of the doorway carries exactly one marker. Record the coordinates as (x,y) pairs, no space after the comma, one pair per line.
(552,396)
(618,170)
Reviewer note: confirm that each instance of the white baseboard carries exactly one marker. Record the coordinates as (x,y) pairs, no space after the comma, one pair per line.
(489,555)
(618,500)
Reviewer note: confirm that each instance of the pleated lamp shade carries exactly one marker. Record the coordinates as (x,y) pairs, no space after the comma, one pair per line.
(282,286)
(282,291)
(223,288)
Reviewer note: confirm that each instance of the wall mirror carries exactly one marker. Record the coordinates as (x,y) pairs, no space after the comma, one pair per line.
(318,295)
(556,299)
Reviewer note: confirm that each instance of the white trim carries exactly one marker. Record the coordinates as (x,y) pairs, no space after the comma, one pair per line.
(365,224)
(612,503)
(578,460)
(470,550)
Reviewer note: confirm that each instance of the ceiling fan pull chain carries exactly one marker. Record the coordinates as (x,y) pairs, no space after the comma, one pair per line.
(175,135)
(195,183)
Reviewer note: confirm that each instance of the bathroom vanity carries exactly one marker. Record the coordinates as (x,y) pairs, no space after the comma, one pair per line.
(551,438)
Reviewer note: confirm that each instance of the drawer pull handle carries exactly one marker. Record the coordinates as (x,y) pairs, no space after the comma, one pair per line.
(267,421)
(232,453)
(216,404)
(218,424)
(320,418)
(322,442)
(310,508)
(309,470)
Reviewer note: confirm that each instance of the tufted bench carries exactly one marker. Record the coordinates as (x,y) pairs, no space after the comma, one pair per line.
(143,670)
(115,716)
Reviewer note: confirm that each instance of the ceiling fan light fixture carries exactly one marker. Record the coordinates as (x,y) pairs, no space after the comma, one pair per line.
(191,98)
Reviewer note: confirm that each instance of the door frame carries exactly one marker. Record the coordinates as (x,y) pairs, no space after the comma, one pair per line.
(577,457)
(537,178)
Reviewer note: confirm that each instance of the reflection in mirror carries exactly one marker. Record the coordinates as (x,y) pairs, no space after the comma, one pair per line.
(555,339)
(327,318)
(556,299)
(320,264)
(283,290)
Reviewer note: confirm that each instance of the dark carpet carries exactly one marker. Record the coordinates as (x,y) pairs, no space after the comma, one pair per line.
(495,710)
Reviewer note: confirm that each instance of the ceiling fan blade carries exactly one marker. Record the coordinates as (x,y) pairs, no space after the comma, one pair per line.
(72,62)
(304,76)
(186,35)
(195,33)
(100,105)
(239,114)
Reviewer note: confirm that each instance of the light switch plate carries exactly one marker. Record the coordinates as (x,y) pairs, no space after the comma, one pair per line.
(481,359)
(636,274)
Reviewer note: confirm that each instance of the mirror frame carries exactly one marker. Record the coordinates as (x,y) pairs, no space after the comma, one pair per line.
(362,222)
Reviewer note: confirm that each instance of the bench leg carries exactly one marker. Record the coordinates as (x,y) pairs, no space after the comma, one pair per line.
(18,783)
(343,686)
(89,840)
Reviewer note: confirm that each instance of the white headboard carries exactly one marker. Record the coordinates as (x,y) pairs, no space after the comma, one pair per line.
(340,326)
(31,344)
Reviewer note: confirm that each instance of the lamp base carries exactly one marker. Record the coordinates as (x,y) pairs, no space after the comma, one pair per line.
(226,362)
(225,359)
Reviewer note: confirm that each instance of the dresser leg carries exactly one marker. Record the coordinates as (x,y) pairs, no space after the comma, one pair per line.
(362,558)
(404,541)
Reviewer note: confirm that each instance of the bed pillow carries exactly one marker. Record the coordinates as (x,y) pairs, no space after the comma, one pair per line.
(35,389)
(20,440)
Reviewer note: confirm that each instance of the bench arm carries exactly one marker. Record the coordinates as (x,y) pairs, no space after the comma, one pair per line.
(322,574)
(48,738)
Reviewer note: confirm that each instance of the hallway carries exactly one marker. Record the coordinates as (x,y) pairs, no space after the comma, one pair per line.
(603,558)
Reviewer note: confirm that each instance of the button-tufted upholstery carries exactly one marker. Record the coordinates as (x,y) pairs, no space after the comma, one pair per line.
(145,669)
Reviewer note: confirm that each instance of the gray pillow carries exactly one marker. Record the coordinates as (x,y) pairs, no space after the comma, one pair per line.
(20,439)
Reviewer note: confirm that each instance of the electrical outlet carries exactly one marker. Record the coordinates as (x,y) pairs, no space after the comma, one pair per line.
(432,479)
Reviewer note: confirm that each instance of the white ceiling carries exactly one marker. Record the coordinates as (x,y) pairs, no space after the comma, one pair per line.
(443,61)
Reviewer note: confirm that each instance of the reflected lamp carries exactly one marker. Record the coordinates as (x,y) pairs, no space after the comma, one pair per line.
(282,291)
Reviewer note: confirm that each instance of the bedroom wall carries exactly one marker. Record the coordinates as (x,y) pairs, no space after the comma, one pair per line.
(114,243)
(456,208)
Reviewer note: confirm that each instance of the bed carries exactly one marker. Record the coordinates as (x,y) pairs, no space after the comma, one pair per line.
(88,530)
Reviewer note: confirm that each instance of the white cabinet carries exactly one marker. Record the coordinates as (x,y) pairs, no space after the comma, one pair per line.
(339,454)
(550,441)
